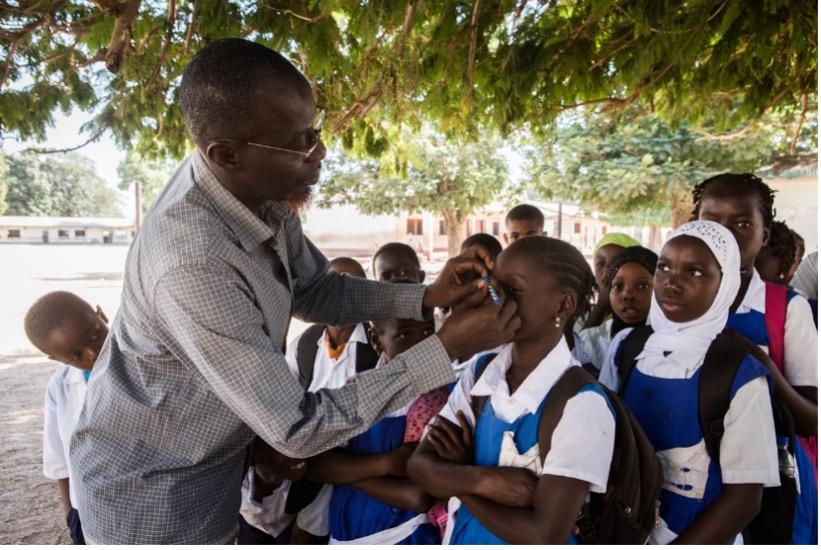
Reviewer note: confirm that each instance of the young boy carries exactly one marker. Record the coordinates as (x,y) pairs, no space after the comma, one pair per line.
(67,330)
(489,244)
(775,261)
(328,356)
(523,220)
(397,261)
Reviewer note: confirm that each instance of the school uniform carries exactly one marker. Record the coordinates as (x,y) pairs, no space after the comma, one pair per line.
(800,334)
(507,431)
(270,522)
(330,373)
(63,401)
(595,341)
(663,396)
(357,518)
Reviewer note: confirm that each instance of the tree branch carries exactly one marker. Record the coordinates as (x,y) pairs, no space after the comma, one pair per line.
(406,25)
(804,106)
(474,38)
(189,31)
(93,138)
(169,29)
(121,36)
(111,7)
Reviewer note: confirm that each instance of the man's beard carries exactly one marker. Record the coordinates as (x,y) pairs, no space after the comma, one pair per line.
(300,200)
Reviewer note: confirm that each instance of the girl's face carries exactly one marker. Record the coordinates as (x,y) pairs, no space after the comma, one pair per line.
(538,296)
(742,216)
(397,336)
(687,279)
(630,293)
(603,257)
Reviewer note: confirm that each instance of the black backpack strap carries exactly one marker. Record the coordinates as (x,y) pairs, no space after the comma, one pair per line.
(366,356)
(716,380)
(306,350)
(632,345)
(301,494)
(477,402)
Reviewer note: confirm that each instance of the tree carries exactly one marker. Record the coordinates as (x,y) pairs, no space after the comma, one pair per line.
(461,64)
(59,185)
(151,174)
(636,169)
(3,186)
(424,172)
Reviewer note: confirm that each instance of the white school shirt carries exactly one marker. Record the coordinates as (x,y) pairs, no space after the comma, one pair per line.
(800,334)
(329,374)
(805,279)
(269,515)
(595,342)
(582,443)
(63,400)
(748,452)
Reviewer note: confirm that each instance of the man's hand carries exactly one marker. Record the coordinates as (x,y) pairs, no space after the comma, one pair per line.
(477,324)
(452,443)
(398,460)
(458,279)
(507,485)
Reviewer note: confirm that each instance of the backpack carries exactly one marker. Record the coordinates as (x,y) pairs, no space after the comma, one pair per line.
(774,523)
(304,491)
(366,356)
(776,301)
(629,510)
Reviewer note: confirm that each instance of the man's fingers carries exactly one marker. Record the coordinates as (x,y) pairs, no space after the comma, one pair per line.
(507,311)
(479,252)
(467,433)
(437,434)
(450,429)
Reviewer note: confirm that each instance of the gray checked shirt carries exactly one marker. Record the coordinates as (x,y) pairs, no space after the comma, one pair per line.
(193,366)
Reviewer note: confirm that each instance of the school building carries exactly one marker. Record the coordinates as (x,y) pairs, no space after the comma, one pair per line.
(56,230)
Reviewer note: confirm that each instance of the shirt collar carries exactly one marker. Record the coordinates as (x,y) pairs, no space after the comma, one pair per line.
(249,229)
(358,335)
(74,376)
(755,297)
(538,383)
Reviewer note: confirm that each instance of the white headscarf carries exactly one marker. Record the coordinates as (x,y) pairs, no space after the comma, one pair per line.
(692,338)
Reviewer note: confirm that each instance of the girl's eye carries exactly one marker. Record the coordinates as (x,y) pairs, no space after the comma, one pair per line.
(401,336)
(427,332)
(643,286)
(696,273)
(743,225)
(663,268)
(619,287)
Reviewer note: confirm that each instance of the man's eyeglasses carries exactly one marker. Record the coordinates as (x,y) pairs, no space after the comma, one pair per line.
(314,140)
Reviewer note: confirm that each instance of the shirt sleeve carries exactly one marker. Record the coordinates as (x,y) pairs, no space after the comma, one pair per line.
(800,344)
(54,456)
(322,296)
(315,518)
(207,317)
(748,451)
(609,373)
(805,280)
(583,454)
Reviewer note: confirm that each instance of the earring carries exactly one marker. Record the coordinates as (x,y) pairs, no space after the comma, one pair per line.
(781,276)
(557,321)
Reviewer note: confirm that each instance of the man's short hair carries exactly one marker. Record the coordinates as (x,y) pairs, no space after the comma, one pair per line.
(219,85)
(486,241)
(48,313)
(525,212)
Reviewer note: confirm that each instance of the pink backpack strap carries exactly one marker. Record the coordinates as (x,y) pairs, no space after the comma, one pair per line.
(775,318)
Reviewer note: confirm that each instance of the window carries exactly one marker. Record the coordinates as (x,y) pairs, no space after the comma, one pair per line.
(443,229)
(13,234)
(414,226)
(480,226)
(495,229)
(79,232)
(62,233)
(577,228)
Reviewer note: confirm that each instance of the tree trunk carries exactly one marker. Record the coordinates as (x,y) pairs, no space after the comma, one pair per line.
(655,238)
(681,208)
(455,227)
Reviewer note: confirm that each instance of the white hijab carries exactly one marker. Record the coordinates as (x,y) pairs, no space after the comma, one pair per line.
(690,340)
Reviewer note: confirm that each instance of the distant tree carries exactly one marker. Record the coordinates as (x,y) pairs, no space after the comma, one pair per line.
(57,185)
(422,172)
(636,169)
(152,175)
(3,185)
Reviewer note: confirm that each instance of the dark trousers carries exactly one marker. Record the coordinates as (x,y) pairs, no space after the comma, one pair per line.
(74,528)
(248,534)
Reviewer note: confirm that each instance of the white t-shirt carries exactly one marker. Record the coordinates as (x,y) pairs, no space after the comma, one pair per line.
(805,279)
(63,400)
(595,341)
(328,373)
(269,515)
(582,443)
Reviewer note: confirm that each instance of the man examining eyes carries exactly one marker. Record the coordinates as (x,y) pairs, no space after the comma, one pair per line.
(194,366)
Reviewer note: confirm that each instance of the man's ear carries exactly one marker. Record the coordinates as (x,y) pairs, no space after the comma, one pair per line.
(224,155)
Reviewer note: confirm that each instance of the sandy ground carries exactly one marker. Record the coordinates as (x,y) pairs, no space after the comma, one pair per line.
(30,509)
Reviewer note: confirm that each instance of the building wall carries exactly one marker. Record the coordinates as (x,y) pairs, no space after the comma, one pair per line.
(796,203)
(62,235)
